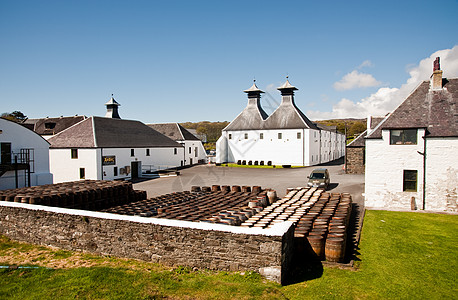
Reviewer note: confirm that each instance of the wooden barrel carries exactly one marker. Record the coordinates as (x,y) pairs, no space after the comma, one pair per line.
(195,189)
(317,244)
(335,249)
(272,196)
(236,188)
(256,189)
(226,188)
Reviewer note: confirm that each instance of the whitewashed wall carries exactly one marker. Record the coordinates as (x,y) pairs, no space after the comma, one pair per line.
(22,138)
(385,165)
(312,148)
(159,159)
(442,174)
(192,155)
(64,168)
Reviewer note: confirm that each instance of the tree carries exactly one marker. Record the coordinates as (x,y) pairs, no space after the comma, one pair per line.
(15,116)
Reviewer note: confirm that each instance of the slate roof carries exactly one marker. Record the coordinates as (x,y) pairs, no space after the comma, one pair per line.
(358,141)
(286,116)
(174,131)
(40,125)
(435,110)
(252,117)
(98,132)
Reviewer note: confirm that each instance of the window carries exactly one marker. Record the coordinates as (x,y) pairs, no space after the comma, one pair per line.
(82,173)
(175,151)
(50,125)
(403,137)
(196,151)
(74,153)
(261,136)
(189,150)
(279,136)
(230,136)
(298,135)
(115,171)
(147,152)
(410,181)
(132,152)
(246,136)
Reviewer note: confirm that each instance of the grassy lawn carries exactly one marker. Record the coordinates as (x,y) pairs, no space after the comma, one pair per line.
(232,165)
(402,255)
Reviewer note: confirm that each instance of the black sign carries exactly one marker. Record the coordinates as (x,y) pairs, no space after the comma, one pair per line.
(108,160)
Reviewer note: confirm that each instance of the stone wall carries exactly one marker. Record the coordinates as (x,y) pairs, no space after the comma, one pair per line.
(355,160)
(170,242)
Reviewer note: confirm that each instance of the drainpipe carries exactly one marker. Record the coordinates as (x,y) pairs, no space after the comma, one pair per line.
(424,170)
(303,147)
(101,160)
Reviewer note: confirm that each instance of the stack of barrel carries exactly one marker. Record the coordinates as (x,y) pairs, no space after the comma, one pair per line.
(86,194)
(325,226)
(291,208)
(215,204)
(320,217)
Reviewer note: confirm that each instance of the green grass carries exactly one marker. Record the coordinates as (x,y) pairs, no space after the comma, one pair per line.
(402,256)
(232,165)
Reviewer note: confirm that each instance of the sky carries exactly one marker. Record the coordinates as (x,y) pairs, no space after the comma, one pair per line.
(179,61)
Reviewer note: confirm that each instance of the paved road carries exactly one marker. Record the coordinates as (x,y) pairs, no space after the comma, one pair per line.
(277,179)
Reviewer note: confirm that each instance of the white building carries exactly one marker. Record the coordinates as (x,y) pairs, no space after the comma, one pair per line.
(287,137)
(24,157)
(110,148)
(194,151)
(411,156)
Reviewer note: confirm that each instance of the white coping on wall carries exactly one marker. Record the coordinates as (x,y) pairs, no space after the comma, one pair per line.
(279,229)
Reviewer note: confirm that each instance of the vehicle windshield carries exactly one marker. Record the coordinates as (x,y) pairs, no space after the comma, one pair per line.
(317,176)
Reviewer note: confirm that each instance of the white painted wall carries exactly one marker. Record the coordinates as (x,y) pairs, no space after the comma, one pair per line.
(442,174)
(385,165)
(66,169)
(23,138)
(194,152)
(312,148)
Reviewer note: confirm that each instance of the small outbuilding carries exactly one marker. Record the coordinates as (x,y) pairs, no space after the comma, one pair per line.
(194,151)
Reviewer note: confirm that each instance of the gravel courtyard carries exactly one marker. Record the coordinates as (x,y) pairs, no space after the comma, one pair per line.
(277,179)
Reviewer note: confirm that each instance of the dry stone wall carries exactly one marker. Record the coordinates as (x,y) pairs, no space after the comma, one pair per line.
(141,238)
(355,160)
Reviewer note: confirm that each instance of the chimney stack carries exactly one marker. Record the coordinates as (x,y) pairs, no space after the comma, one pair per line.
(254,94)
(436,78)
(287,92)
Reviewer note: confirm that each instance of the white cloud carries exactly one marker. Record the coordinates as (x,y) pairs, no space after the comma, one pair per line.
(366,63)
(386,99)
(356,79)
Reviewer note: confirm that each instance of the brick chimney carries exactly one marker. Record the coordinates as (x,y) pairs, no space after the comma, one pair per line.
(436,78)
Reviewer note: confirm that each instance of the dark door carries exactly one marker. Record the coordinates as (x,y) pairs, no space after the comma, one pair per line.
(134,169)
(5,153)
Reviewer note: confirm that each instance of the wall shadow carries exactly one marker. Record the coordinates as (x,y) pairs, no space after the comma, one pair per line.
(306,265)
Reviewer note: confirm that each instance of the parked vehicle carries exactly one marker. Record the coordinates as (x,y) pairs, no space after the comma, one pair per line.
(319,178)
